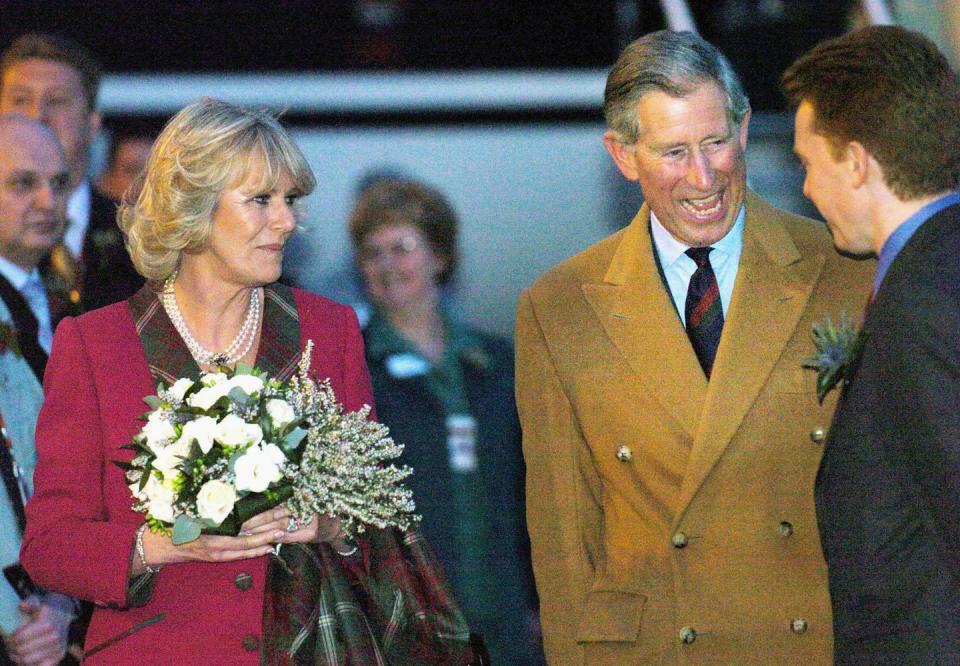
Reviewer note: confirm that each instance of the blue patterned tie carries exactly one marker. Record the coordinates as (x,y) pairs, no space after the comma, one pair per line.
(703,311)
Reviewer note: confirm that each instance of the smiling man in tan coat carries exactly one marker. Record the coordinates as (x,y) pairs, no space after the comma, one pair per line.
(671,434)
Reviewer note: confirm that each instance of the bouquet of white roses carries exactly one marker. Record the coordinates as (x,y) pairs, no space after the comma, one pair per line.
(219,450)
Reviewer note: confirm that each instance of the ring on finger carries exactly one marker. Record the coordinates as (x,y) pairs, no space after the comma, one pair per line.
(292,525)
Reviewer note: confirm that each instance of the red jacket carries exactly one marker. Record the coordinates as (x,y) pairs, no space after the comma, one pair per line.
(80,527)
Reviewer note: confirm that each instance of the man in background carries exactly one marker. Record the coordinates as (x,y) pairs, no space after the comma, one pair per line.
(878,130)
(129,151)
(55,80)
(33,191)
(670,433)
(33,194)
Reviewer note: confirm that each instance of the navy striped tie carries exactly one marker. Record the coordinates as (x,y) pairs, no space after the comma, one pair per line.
(703,311)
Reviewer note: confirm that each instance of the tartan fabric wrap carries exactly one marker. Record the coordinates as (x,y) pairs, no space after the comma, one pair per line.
(388,604)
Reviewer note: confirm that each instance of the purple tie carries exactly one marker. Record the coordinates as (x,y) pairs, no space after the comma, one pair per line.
(703,311)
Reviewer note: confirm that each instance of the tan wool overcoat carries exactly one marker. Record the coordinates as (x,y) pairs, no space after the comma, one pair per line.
(671,519)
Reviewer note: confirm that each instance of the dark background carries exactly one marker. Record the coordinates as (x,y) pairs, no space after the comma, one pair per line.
(761,37)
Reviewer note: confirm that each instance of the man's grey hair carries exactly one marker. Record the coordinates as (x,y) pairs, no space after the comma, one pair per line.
(676,63)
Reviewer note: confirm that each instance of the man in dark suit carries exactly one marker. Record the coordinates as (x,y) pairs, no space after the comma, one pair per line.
(878,130)
(55,80)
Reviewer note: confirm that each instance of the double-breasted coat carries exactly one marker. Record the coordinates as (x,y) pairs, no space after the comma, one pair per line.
(672,519)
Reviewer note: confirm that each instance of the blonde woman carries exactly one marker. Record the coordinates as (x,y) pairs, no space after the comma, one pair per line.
(207,226)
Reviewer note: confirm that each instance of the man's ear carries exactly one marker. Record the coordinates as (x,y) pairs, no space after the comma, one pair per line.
(858,163)
(744,130)
(623,155)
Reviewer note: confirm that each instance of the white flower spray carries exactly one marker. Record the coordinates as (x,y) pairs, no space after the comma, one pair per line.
(215,452)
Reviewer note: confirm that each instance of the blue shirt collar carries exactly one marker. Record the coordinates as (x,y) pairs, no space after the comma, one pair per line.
(898,239)
(15,275)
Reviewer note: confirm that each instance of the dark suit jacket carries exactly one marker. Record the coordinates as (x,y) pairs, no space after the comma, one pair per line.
(109,275)
(888,490)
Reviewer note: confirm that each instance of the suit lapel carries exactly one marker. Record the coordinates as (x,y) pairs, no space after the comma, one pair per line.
(167,354)
(638,316)
(26,326)
(772,288)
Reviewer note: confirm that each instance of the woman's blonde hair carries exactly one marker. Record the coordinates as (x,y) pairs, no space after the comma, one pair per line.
(204,148)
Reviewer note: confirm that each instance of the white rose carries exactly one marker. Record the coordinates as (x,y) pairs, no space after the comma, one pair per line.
(170,457)
(158,429)
(208,395)
(258,468)
(234,431)
(248,383)
(215,500)
(274,452)
(180,387)
(160,497)
(202,429)
(280,411)
(213,378)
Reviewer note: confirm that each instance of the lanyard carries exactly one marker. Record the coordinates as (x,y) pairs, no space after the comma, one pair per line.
(13,477)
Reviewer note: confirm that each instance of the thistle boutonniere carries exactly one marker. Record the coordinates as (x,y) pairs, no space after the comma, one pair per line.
(8,339)
(838,348)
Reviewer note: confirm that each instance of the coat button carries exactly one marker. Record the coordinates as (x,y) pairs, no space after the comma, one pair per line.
(243,581)
(817,435)
(798,625)
(785,528)
(624,454)
(688,635)
(679,540)
(250,643)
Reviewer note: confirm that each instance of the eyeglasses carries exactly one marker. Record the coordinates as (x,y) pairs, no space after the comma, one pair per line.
(396,250)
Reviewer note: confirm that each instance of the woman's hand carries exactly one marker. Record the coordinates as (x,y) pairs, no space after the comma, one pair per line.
(159,550)
(257,538)
(320,529)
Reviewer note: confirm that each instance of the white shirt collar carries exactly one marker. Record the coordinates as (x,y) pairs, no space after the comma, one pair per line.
(669,249)
(78,218)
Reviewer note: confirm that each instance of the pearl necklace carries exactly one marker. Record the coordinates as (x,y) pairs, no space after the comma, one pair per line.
(230,355)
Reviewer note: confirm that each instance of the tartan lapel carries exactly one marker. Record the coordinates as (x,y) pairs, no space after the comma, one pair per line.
(168,356)
(279,350)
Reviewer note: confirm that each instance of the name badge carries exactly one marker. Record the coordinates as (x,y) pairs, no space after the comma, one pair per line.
(462,442)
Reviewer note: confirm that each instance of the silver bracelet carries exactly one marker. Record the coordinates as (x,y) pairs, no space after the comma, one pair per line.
(347,553)
(141,554)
